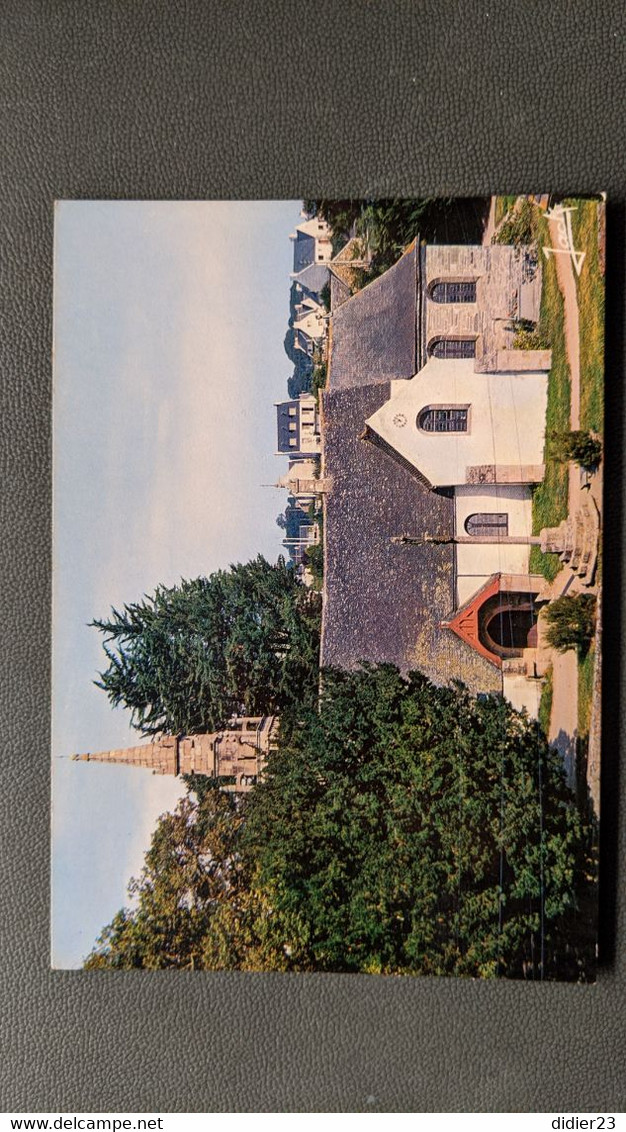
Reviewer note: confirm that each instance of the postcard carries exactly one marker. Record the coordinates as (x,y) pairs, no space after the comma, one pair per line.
(328,586)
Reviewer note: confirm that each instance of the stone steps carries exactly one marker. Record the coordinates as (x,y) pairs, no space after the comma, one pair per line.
(576,540)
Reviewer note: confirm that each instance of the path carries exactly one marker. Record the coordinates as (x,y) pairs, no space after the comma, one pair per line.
(563,728)
(567,284)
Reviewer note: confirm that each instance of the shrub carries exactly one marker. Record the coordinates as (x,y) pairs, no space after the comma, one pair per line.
(528,336)
(518,226)
(578,446)
(319,379)
(314,556)
(571,622)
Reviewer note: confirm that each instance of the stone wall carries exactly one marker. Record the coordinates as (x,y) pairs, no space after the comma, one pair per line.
(508,282)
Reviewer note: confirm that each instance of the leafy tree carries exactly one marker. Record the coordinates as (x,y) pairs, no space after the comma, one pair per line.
(571,622)
(191,872)
(325,296)
(400,828)
(387,225)
(186,658)
(409,828)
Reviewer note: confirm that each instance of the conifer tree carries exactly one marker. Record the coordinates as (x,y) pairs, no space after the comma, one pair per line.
(186,658)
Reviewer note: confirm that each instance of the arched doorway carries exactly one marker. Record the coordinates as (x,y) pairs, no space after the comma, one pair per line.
(506,622)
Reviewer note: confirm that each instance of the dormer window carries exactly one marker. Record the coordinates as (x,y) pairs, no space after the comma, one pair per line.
(443,418)
(452,348)
(454,291)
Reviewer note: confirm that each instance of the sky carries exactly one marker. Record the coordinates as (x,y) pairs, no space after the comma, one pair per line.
(169,320)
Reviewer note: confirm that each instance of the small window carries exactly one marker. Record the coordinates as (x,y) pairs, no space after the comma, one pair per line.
(445,418)
(292,410)
(454,292)
(293,443)
(292,426)
(453,348)
(488,524)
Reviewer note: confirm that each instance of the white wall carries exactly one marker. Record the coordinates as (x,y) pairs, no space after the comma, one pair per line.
(506,419)
(522,692)
(476,563)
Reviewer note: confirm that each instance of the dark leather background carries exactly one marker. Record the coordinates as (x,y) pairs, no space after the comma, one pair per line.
(227,98)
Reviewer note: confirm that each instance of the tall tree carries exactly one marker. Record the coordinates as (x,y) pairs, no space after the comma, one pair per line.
(186,658)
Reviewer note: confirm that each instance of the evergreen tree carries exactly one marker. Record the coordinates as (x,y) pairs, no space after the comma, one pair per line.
(244,640)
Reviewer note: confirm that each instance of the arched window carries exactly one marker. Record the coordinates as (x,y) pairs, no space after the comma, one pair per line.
(443,418)
(488,524)
(453,348)
(452,291)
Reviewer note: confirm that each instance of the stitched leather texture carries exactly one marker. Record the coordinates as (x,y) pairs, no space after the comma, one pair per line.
(223,98)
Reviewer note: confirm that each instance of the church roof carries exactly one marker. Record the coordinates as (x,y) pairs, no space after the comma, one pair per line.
(384,602)
(339,291)
(375,333)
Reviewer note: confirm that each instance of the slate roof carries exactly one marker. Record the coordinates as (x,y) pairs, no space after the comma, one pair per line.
(303,250)
(382,601)
(339,291)
(313,278)
(375,332)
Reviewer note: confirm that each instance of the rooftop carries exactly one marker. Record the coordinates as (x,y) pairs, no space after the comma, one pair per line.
(384,602)
(375,331)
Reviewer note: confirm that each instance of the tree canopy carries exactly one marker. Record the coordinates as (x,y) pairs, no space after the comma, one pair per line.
(387,225)
(186,658)
(401,828)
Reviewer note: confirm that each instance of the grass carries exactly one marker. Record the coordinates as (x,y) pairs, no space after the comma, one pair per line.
(550,497)
(590,287)
(585,691)
(503,205)
(545,702)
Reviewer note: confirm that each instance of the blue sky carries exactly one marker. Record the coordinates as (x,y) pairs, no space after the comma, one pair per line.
(169,322)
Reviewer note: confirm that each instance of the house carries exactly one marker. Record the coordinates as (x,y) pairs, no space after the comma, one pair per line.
(433,433)
(310,322)
(302,481)
(312,251)
(311,243)
(311,280)
(298,428)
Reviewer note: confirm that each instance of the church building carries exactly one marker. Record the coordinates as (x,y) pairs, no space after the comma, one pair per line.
(433,427)
(235,756)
